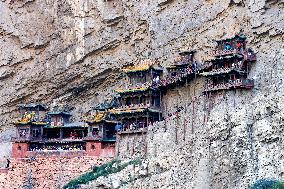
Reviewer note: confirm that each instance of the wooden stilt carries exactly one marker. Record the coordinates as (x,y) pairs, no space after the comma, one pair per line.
(177,122)
(166,116)
(117,144)
(184,120)
(193,108)
(133,146)
(160,105)
(235,91)
(193,114)
(144,139)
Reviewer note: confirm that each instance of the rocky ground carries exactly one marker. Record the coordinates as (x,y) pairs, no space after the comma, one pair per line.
(68,53)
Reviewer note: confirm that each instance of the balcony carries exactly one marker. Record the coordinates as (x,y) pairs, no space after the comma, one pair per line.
(135,108)
(248,54)
(226,52)
(58,146)
(92,138)
(237,84)
(44,153)
(109,138)
(62,140)
(133,131)
(222,71)
(134,88)
(48,140)
(182,62)
(180,77)
(22,139)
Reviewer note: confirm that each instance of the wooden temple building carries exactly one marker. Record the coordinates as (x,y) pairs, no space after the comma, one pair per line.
(183,70)
(28,128)
(136,106)
(101,135)
(183,64)
(138,103)
(230,67)
(42,131)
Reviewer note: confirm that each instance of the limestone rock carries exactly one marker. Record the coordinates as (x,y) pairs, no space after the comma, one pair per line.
(70,52)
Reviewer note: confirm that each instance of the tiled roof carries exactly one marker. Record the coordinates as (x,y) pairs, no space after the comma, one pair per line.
(97,118)
(143,66)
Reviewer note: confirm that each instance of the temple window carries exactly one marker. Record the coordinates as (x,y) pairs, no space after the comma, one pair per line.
(128,101)
(23,132)
(157,101)
(141,78)
(136,100)
(143,99)
(35,133)
(95,131)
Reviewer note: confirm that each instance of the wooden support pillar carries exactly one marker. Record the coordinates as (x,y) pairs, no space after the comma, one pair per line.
(193,114)
(102,131)
(166,114)
(61,133)
(136,117)
(147,119)
(160,99)
(90,131)
(177,121)
(38,114)
(29,132)
(127,82)
(41,132)
(122,125)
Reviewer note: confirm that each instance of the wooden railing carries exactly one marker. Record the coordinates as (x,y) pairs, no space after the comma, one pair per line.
(133,131)
(44,139)
(172,79)
(244,83)
(225,52)
(222,71)
(134,107)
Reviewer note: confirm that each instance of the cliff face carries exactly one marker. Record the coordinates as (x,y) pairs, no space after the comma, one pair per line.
(69,52)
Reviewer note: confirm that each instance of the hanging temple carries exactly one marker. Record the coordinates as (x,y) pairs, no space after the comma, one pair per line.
(136,105)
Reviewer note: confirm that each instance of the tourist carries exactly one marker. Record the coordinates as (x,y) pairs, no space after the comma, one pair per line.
(75,135)
(71,135)
(227,47)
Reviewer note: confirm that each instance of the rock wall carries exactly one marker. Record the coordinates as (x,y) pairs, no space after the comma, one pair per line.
(46,172)
(69,52)
(230,145)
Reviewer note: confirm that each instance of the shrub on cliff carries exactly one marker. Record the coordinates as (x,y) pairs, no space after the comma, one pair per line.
(108,168)
(268,184)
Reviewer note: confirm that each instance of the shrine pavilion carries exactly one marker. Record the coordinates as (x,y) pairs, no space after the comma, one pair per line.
(138,104)
(230,67)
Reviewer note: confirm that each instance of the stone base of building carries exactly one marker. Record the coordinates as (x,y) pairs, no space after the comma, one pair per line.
(46,172)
